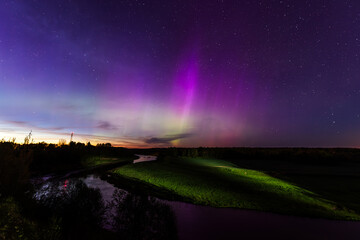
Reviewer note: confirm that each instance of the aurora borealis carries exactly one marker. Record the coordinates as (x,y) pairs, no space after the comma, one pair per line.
(181,73)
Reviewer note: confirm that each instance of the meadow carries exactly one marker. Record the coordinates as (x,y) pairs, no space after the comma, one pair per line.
(23,217)
(94,161)
(314,189)
(322,183)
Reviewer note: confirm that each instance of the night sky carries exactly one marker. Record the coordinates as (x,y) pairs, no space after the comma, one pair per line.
(181,73)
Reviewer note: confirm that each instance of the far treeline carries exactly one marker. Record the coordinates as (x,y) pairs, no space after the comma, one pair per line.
(303,155)
(18,162)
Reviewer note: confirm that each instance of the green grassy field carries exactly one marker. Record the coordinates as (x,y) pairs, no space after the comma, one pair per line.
(287,189)
(97,161)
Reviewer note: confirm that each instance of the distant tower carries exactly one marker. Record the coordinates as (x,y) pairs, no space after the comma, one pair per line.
(72,134)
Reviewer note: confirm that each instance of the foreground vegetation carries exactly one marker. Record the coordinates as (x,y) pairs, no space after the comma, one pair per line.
(23,217)
(314,189)
(94,161)
(310,182)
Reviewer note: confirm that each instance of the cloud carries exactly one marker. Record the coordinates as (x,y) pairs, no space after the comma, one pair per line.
(167,139)
(31,126)
(18,123)
(52,133)
(104,125)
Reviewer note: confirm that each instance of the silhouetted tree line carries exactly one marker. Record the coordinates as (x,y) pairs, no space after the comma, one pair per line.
(51,157)
(74,211)
(310,155)
(18,160)
(14,168)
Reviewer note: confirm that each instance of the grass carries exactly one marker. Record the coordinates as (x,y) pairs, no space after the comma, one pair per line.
(15,225)
(222,183)
(99,160)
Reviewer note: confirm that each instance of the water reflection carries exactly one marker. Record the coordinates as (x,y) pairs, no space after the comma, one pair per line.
(144,158)
(80,209)
(84,214)
(142,217)
(91,208)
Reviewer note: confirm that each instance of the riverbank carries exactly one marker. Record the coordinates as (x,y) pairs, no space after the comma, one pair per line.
(95,161)
(89,166)
(221,183)
(320,183)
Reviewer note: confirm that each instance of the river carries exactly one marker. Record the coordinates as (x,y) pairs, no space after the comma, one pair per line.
(191,221)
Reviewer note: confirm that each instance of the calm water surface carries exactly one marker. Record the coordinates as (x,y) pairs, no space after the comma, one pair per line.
(144,158)
(201,222)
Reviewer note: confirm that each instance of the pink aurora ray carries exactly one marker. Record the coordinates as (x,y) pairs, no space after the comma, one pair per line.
(185,87)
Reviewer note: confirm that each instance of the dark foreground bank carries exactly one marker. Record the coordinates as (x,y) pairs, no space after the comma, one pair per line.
(327,178)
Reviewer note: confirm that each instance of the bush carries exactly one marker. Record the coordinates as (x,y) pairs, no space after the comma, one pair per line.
(14,168)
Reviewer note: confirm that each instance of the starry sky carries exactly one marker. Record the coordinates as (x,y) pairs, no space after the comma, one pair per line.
(181,73)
